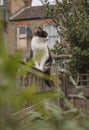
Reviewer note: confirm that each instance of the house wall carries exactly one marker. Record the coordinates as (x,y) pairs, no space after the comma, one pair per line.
(33,24)
(12,33)
(16,5)
(11,37)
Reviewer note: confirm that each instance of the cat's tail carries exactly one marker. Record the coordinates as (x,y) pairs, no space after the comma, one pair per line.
(49,83)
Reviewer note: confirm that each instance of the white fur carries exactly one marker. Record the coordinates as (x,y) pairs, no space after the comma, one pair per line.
(40,51)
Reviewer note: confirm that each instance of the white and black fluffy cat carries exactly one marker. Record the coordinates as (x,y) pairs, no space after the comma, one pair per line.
(39,48)
(40,52)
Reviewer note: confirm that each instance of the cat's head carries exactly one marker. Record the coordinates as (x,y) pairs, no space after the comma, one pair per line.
(41,33)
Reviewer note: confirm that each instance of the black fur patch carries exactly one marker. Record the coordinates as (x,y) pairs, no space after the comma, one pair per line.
(41,33)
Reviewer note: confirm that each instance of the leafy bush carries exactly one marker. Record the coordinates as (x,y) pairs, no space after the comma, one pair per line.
(73,18)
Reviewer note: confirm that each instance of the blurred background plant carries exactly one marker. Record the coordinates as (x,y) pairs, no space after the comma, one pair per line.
(7,82)
(46,114)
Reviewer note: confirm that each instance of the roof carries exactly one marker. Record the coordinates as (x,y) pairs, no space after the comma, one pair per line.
(35,12)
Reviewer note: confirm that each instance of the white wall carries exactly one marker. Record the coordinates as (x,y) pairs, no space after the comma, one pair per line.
(39,3)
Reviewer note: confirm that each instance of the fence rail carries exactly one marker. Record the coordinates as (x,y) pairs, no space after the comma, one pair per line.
(63,81)
(37,78)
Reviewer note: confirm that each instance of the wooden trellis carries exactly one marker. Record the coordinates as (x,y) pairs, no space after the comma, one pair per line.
(36,78)
(75,93)
(77,90)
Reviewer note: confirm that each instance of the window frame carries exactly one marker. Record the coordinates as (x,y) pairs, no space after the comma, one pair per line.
(1,2)
(51,36)
(21,36)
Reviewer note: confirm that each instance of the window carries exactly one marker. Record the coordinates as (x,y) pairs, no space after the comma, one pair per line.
(22,29)
(22,37)
(1,2)
(52,34)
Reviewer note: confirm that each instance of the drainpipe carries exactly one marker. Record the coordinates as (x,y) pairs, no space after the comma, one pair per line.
(3,19)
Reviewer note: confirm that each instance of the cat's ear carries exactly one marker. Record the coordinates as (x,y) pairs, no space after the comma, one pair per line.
(39,29)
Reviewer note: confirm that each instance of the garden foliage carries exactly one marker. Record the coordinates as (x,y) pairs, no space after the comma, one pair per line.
(72,16)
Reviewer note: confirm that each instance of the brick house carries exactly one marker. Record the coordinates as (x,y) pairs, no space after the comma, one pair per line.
(22,24)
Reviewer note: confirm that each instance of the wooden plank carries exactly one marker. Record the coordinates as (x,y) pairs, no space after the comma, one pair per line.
(20,115)
(87,106)
(37,72)
(75,91)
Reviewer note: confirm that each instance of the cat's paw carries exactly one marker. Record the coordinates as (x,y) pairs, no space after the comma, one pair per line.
(37,66)
(41,68)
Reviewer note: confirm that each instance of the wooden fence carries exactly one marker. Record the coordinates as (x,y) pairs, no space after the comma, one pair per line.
(37,78)
(77,92)
(74,87)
